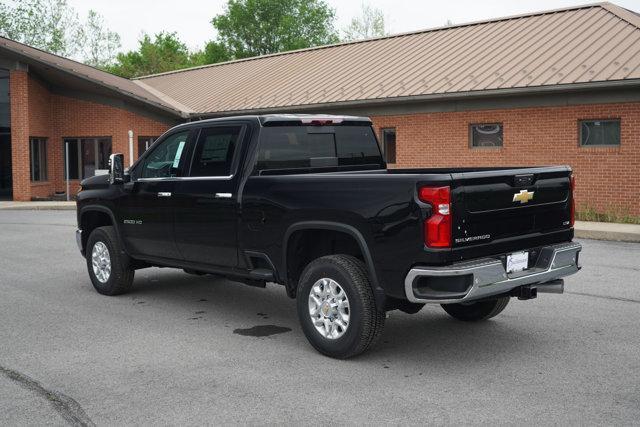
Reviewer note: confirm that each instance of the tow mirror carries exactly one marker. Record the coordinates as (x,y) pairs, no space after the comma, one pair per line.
(116,169)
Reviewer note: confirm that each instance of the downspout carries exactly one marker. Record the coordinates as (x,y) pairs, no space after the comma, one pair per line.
(66,160)
(130,148)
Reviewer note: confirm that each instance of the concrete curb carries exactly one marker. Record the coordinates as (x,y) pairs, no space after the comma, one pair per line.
(37,206)
(607,231)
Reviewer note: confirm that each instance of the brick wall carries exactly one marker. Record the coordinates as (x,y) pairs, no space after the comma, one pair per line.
(607,177)
(19,93)
(78,118)
(36,112)
(40,126)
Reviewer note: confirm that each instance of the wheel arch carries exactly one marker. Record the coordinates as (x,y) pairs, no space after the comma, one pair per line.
(346,229)
(94,216)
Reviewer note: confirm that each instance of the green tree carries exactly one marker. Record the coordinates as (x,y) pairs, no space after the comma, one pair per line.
(212,53)
(54,26)
(165,52)
(50,25)
(259,27)
(99,44)
(369,24)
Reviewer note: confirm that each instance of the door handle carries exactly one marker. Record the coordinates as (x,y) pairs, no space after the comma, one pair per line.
(164,194)
(224,195)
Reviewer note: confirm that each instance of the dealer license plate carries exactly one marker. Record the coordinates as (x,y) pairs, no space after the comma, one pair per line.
(517,262)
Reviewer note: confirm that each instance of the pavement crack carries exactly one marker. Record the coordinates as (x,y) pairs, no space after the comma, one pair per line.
(604,297)
(66,406)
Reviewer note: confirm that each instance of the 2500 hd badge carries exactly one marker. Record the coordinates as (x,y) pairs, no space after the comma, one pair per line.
(307,202)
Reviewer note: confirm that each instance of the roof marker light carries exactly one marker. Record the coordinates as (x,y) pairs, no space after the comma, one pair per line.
(320,121)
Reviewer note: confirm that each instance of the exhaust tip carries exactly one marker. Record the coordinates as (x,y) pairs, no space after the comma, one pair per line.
(553,287)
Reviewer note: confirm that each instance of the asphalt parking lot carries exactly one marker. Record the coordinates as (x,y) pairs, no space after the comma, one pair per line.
(167,353)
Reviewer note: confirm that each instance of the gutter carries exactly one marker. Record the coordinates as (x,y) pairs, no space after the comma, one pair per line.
(451,96)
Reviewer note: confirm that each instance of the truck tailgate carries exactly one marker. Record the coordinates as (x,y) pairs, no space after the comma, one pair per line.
(509,203)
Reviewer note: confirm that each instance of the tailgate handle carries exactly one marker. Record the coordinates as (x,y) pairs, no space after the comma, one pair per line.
(523,180)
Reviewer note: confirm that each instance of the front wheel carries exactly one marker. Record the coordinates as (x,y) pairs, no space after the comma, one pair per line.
(336,306)
(477,311)
(109,273)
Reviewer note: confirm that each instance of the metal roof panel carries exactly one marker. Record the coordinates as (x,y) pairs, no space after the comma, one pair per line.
(593,43)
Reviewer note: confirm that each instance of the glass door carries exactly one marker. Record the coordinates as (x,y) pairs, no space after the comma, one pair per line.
(5,138)
(5,167)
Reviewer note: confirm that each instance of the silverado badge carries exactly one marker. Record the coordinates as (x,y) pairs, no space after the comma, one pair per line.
(523,196)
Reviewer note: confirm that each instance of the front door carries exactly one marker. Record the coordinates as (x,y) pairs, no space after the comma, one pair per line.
(6,182)
(207,200)
(147,206)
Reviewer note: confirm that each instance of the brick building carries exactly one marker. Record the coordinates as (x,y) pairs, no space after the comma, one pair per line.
(555,87)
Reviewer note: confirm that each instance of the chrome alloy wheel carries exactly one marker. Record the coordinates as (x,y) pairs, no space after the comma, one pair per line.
(101,262)
(329,308)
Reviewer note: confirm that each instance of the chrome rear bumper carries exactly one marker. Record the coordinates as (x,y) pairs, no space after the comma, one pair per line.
(487,276)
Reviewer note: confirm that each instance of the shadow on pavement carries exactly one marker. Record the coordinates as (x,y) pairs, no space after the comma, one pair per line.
(428,335)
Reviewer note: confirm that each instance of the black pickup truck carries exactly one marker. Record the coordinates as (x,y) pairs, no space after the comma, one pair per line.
(307,202)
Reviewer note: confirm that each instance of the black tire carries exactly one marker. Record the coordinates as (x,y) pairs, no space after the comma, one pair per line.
(474,312)
(366,322)
(121,276)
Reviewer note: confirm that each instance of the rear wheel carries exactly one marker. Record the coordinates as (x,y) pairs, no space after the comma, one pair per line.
(109,273)
(474,312)
(336,306)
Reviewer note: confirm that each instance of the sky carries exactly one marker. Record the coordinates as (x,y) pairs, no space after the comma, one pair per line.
(191,18)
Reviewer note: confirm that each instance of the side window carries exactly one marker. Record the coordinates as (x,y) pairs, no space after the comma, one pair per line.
(144,142)
(214,151)
(164,160)
(485,135)
(599,132)
(389,144)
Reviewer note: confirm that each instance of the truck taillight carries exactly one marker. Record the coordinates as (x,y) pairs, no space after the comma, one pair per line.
(437,228)
(572,207)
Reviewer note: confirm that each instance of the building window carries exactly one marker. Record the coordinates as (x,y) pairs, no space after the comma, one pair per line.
(38,159)
(599,132)
(144,142)
(389,144)
(86,155)
(485,135)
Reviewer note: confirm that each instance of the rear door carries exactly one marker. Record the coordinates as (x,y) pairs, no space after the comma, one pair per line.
(510,203)
(206,224)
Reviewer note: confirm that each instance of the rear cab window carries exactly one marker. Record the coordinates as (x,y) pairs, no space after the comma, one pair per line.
(287,147)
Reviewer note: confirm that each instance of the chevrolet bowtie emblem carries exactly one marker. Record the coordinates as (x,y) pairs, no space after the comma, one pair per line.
(523,196)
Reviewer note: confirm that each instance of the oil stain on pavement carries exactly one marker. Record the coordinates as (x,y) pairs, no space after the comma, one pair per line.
(261,331)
